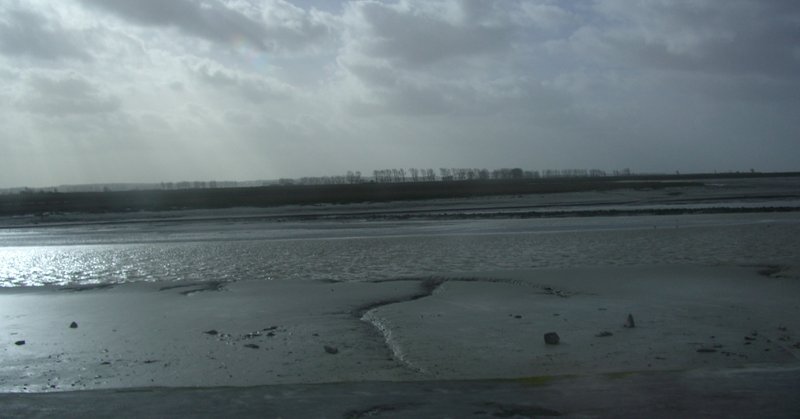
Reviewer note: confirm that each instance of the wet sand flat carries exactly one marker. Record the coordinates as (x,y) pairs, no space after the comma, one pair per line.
(479,325)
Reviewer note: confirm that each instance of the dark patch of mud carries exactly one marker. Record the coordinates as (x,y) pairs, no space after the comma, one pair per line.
(383,410)
(519,411)
(772,271)
(195,287)
(427,287)
(87,287)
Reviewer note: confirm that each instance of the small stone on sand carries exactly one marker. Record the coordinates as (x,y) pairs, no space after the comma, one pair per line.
(331,350)
(19,342)
(603,334)
(551,338)
(629,323)
(251,346)
(73,325)
(211,332)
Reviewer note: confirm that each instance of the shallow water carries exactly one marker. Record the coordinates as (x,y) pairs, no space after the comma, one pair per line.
(230,251)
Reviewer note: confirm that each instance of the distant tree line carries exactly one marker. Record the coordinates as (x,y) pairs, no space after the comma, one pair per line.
(382,176)
(446,174)
(401,175)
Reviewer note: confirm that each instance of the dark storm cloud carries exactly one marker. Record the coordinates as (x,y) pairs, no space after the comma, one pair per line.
(210,20)
(24,33)
(214,21)
(252,88)
(738,37)
(416,38)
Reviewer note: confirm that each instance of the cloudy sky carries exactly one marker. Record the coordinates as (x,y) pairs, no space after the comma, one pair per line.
(156,90)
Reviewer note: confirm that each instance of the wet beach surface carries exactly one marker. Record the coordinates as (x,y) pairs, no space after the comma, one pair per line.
(349,318)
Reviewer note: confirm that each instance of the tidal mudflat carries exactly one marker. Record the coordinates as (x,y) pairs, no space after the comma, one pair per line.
(455,332)
(401,318)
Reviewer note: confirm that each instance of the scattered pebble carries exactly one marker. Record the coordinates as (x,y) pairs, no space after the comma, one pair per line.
(19,342)
(706,350)
(211,332)
(517,316)
(331,350)
(603,334)
(551,338)
(73,325)
(629,323)
(251,346)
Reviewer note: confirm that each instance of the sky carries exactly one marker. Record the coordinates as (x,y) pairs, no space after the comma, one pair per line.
(100,91)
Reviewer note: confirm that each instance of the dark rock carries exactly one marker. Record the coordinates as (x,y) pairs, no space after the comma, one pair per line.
(251,346)
(706,350)
(629,323)
(73,325)
(749,339)
(211,332)
(517,316)
(551,338)
(603,334)
(331,350)
(19,342)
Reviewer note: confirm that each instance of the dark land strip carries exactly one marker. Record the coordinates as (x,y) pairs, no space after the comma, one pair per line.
(734,393)
(38,203)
